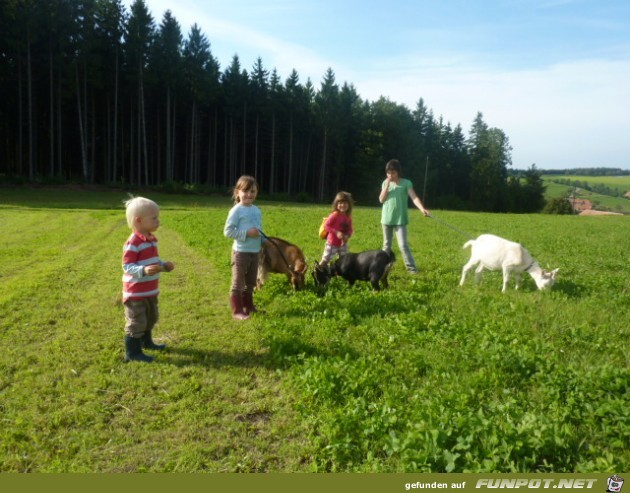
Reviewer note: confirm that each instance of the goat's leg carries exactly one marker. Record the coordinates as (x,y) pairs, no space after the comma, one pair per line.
(465,270)
(262,276)
(478,272)
(384,281)
(384,277)
(517,279)
(506,278)
(292,281)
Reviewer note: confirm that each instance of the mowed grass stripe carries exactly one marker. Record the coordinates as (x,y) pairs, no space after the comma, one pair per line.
(210,402)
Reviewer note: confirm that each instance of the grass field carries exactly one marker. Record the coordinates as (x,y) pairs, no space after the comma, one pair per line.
(621,183)
(600,201)
(424,377)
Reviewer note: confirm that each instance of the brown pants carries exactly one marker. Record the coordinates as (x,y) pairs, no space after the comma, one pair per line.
(141,316)
(244,272)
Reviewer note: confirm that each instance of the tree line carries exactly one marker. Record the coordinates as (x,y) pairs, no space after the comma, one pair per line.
(598,171)
(97,93)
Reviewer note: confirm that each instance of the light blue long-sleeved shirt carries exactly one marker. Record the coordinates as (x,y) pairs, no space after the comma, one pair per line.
(240,219)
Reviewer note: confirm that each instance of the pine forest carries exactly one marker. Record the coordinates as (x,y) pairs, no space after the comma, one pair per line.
(97,93)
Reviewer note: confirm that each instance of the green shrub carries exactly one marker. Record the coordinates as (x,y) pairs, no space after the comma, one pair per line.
(558,205)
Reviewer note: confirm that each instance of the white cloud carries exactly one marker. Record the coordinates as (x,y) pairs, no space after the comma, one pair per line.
(571,114)
(562,115)
(229,38)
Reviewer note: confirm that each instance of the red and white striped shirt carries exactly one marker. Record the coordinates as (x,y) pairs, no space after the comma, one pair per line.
(139,251)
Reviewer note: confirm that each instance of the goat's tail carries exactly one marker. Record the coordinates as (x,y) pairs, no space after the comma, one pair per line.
(469,243)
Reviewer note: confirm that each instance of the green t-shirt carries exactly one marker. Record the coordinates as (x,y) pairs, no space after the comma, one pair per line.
(395,205)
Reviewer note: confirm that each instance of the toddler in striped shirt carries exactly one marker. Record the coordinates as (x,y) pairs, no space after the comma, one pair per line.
(141,273)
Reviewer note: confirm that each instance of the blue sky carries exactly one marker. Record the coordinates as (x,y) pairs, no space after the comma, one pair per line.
(554,75)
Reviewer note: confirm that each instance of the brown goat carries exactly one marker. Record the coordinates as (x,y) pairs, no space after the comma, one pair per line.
(281,257)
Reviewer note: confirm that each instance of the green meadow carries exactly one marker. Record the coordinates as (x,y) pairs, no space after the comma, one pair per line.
(621,183)
(600,201)
(426,376)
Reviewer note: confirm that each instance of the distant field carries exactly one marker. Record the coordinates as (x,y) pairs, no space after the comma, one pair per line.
(555,189)
(602,202)
(622,183)
(426,376)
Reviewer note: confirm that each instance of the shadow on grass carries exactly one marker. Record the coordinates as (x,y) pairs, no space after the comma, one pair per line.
(285,351)
(279,353)
(359,302)
(185,356)
(571,289)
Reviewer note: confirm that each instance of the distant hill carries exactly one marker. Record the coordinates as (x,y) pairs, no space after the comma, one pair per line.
(606,192)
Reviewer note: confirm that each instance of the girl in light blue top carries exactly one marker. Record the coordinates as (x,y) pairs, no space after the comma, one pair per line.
(243,225)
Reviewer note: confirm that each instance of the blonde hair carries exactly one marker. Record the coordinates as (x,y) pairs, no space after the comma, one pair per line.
(244,183)
(343,197)
(139,207)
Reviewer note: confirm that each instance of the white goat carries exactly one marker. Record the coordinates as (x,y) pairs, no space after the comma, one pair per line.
(495,253)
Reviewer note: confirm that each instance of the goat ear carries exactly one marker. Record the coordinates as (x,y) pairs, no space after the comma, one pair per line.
(554,272)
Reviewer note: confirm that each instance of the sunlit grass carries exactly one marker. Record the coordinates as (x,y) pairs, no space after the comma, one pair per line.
(425,376)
